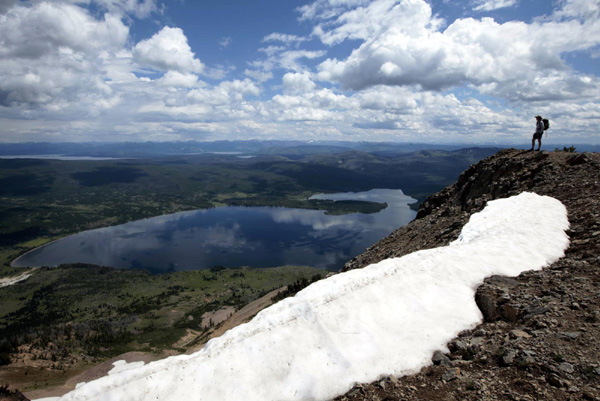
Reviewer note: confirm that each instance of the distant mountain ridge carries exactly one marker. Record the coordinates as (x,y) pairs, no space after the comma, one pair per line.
(255,147)
(252,147)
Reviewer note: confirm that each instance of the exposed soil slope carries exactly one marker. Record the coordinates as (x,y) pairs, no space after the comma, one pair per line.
(541,331)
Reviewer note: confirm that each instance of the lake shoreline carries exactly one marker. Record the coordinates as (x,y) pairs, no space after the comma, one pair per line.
(141,228)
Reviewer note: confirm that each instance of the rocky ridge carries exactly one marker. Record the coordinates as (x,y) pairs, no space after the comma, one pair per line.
(541,330)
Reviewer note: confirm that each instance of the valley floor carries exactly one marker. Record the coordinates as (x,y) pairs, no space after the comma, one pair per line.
(62,325)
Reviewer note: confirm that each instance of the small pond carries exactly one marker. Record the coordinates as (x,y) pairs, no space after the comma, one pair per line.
(233,236)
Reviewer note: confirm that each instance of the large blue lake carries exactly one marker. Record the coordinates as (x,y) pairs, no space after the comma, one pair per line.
(233,237)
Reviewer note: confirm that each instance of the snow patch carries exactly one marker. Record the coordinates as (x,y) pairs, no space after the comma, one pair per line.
(387,318)
(6,281)
(121,366)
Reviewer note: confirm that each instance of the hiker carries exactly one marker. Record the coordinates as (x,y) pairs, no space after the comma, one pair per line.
(539,130)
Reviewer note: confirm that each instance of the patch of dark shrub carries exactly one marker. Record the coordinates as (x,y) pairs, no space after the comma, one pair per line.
(25,185)
(108,175)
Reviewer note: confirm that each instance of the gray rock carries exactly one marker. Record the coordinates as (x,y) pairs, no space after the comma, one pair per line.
(536,310)
(555,380)
(528,360)
(458,345)
(568,335)
(450,374)
(487,306)
(480,333)
(502,281)
(566,367)
(509,357)
(508,313)
(474,349)
(519,334)
(477,341)
(579,159)
(440,359)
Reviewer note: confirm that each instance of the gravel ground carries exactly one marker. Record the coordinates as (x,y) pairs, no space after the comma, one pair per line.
(541,330)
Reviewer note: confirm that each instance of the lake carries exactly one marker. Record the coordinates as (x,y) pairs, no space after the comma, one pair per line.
(58,157)
(233,236)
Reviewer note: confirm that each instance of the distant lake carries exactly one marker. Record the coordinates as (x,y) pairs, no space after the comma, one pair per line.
(233,236)
(57,157)
(100,158)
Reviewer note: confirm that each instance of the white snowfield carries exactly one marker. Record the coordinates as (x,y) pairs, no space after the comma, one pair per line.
(358,326)
(6,281)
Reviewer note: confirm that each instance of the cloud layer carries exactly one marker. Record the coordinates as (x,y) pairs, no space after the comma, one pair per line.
(363,70)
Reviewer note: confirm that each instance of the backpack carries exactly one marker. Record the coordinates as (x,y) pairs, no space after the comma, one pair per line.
(546,123)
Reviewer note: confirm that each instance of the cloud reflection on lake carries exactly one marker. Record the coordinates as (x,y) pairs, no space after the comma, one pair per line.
(233,236)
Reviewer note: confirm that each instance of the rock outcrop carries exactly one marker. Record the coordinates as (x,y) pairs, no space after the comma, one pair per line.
(11,395)
(541,330)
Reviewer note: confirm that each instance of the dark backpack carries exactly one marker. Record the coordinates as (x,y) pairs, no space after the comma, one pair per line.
(546,123)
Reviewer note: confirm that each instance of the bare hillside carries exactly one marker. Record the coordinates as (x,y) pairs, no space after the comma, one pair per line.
(541,331)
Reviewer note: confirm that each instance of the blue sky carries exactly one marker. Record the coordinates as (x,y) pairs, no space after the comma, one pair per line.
(441,71)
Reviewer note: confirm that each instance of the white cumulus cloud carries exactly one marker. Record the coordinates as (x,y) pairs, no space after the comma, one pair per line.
(351,69)
(167,50)
(404,45)
(281,37)
(489,5)
(140,9)
(177,79)
(297,82)
(58,61)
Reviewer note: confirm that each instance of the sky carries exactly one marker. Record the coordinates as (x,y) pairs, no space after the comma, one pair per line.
(354,327)
(432,71)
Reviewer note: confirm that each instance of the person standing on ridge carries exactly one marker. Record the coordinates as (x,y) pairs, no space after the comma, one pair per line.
(539,131)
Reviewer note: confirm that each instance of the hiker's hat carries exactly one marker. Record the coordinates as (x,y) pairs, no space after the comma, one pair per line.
(538,116)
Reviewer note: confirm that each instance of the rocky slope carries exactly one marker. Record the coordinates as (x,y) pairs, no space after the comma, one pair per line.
(540,336)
